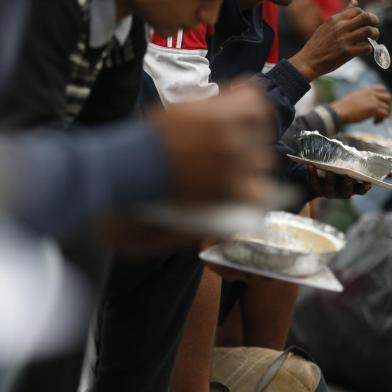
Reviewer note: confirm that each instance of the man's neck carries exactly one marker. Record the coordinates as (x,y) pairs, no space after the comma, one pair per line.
(124,8)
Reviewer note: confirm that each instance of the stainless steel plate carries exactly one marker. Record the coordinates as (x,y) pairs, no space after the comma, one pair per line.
(317,148)
(341,171)
(368,142)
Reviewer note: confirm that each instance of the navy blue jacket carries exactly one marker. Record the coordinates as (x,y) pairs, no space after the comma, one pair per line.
(240,46)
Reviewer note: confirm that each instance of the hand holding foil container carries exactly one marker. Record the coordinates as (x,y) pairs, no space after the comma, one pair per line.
(332,155)
(286,247)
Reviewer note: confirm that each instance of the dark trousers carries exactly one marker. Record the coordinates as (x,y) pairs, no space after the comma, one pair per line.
(141,320)
(59,374)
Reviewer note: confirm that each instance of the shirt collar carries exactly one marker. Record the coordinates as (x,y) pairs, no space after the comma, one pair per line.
(104,24)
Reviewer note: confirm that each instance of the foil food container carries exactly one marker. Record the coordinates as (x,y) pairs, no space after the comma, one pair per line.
(288,244)
(316,147)
(368,142)
(324,279)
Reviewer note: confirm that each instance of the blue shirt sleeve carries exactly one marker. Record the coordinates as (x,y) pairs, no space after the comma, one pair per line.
(54,181)
(285,86)
(294,173)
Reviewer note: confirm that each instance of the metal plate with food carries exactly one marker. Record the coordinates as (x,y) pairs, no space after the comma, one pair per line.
(364,141)
(344,172)
(324,279)
(285,247)
(332,155)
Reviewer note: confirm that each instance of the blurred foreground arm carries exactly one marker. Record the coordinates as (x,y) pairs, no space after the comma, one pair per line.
(55,181)
(206,151)
(220,151)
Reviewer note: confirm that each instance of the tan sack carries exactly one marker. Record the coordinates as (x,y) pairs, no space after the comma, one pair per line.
(254,369)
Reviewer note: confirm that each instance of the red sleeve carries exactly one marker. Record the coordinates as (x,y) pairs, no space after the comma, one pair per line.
(193,39)
(329,7)
(271,17)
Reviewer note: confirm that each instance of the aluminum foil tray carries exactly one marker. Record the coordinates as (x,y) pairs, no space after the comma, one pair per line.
(368,142)
(285,244)
(324,279)
(315,147)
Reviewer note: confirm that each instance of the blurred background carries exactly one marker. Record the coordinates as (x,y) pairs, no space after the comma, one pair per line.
(349,334)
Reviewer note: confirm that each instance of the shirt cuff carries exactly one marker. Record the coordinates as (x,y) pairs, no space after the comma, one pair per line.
(330,119)
(289,80)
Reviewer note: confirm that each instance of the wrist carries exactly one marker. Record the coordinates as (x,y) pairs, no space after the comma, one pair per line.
(340,111)
(303,67)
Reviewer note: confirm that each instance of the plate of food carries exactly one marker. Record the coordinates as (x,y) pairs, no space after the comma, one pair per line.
(365,141)
(286,247)
(334,156)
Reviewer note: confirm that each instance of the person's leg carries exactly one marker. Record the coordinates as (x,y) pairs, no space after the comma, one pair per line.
(267,308)
(261,317)
(265,311)
(230,332)
(141,321)
(194,357)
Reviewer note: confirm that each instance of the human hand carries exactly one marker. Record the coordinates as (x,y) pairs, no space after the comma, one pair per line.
(219,148)
(337,41)
(333,186)
(368,102)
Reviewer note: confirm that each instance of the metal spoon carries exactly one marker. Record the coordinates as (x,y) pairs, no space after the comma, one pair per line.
(381,54)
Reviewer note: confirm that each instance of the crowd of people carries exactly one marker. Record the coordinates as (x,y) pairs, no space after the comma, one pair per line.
(109,106)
